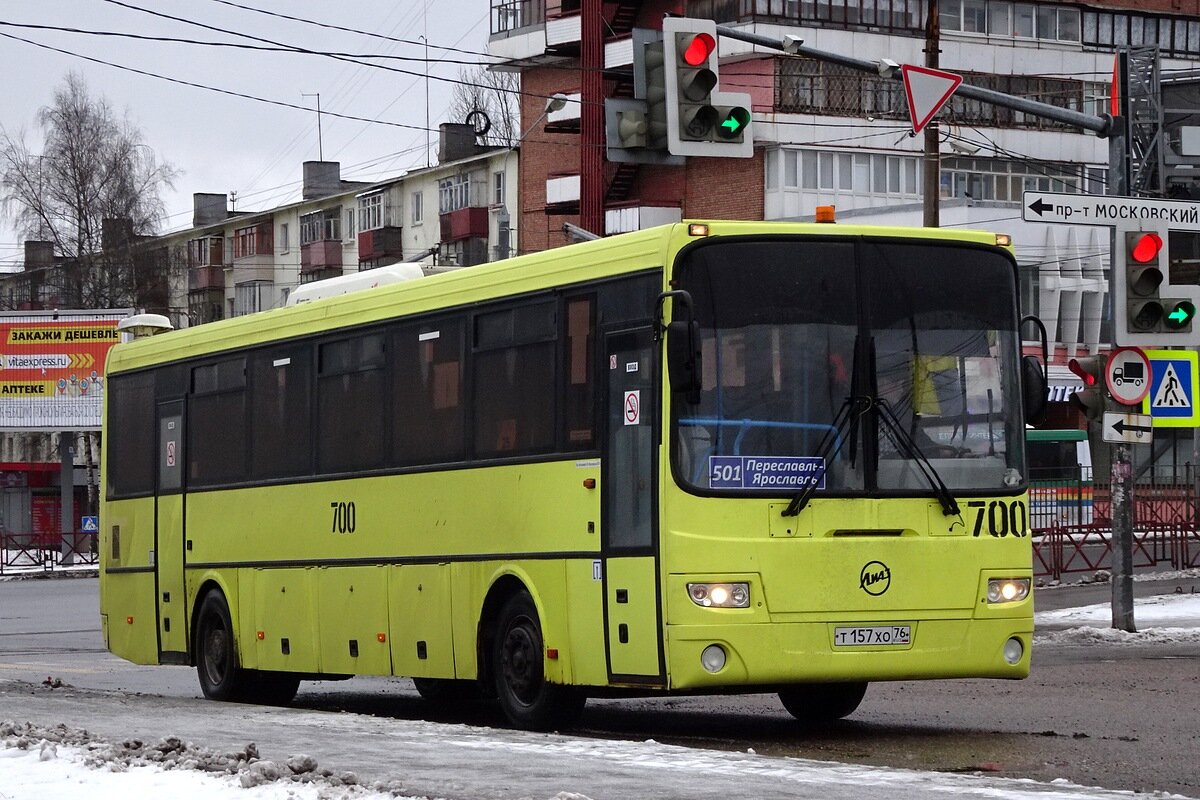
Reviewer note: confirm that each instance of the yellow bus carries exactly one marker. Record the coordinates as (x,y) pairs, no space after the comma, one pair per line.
(705,457)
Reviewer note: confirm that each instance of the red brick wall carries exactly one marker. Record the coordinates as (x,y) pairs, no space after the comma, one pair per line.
(705,188)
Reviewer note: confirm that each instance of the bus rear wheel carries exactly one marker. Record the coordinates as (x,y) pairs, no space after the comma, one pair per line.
(221,676)
(526,698)
(823,702)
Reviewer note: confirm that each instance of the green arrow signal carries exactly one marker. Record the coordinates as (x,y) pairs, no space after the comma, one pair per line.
(733,121)
(1181,314)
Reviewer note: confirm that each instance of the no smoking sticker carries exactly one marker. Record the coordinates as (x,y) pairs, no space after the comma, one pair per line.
(633,407)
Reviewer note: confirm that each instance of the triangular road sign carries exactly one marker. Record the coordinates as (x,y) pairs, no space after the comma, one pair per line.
(926,90)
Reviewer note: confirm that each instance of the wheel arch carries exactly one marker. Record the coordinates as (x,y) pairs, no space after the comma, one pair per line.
(504,586)
(210,583)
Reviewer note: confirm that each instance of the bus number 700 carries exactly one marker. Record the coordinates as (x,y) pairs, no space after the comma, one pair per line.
(1003,518)
(343,517)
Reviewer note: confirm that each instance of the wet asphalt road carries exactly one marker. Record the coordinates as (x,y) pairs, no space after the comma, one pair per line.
(1117,716)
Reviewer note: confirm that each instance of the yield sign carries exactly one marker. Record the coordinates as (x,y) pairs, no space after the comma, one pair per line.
(926,90)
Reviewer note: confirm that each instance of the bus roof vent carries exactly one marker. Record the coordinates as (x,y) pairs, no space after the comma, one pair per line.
(142,325)
(354,282)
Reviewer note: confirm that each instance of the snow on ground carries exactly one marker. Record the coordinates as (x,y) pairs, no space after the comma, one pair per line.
(63,764)
(1162,619)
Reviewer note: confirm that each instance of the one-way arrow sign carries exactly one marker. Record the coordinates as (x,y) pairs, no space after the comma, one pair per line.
(1135,428)
(1040,206)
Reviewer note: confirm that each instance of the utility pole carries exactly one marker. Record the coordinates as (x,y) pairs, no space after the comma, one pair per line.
(932,161)
(1121,457)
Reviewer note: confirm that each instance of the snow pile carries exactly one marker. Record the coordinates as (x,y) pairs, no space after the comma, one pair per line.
(1163,619)
(54,763)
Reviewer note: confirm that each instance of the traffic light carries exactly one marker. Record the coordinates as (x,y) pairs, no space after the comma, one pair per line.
(1150,310)
(1090,399)
(700,120)
(636,128)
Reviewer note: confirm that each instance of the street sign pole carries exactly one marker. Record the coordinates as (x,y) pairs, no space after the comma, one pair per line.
(1122,532)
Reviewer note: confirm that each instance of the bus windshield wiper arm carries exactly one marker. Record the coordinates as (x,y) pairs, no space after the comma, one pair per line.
(908,447)
(845,420)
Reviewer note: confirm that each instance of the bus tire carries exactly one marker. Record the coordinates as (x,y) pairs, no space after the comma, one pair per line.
(526,698)
(823,702)
(221,676)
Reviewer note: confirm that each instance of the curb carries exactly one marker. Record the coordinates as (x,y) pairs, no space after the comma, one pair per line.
(50,574)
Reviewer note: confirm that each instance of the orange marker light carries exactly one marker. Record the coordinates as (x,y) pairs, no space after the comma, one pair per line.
(589,483)
(552,653)
(826,214)
(261,635)
(382,637)
(129,620)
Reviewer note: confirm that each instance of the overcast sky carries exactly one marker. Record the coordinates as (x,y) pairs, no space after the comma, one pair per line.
(221,142)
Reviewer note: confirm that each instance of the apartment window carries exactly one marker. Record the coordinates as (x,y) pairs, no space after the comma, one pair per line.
(348,228)
(417,212)
(251,297)
(454,193)
(370,212)
(498,188)
(284,242)
(252,240)
(321,226)
(974,16)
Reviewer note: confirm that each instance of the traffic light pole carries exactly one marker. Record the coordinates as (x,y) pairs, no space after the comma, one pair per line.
(1121,488)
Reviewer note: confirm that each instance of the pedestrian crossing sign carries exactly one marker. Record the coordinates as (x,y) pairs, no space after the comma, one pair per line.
(1171,401)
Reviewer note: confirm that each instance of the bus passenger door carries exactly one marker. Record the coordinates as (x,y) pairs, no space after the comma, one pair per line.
(168,537)
(629,516)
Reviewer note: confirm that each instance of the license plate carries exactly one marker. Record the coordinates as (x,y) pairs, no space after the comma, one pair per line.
(872,636)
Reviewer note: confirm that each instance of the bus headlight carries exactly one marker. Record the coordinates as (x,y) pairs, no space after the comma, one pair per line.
(720,595)
(1007,590)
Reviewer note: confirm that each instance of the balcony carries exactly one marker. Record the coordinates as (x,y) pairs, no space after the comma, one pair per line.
(211,276)
(320,256)
(465,223)
(379,243)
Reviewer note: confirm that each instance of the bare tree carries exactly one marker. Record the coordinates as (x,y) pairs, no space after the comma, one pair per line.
(93,167)
(496,94)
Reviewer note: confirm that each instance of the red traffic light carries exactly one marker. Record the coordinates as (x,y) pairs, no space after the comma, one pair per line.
(1088,369)
(698,49)
(1145,247)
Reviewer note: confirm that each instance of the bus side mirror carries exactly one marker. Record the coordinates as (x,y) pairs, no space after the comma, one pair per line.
(1034,390)
(683,358)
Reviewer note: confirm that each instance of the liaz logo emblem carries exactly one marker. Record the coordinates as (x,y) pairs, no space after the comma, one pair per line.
(875,578)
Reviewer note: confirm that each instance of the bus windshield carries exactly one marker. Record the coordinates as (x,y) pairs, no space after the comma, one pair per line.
(850,364)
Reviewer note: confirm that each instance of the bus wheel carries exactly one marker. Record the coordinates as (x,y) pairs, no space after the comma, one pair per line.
(823,702)
(221,678)
(526,698)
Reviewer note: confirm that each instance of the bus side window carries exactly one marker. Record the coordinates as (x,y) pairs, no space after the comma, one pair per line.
(579,375)
(427,381)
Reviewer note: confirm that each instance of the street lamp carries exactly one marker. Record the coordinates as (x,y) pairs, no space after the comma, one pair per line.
(556,102)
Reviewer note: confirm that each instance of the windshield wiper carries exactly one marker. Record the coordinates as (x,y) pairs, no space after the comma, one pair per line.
(845,421)
(908,447)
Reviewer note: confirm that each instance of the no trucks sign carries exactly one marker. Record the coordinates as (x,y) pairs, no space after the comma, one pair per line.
(52,368)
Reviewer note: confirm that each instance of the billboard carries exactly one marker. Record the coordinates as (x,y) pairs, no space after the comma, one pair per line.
(52,368)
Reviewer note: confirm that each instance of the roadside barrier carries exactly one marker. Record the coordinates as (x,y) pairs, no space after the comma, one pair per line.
(21,552)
